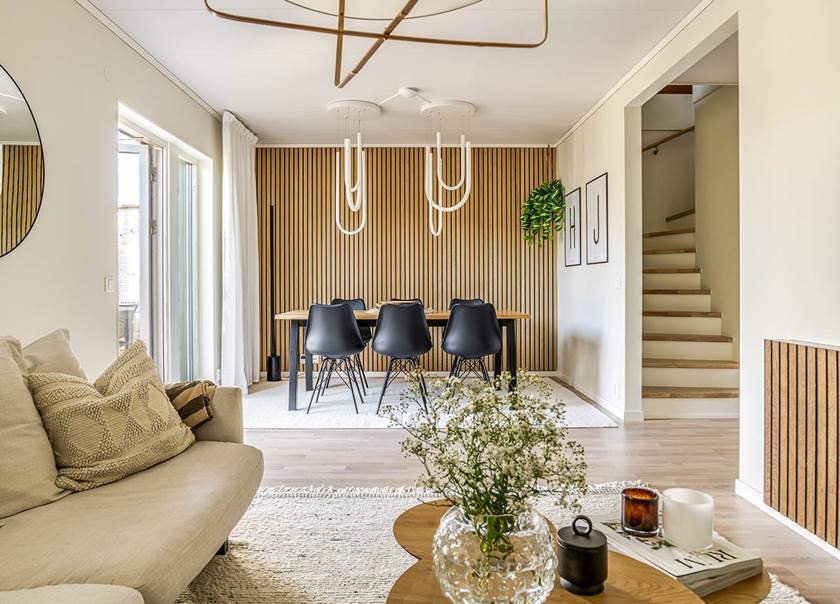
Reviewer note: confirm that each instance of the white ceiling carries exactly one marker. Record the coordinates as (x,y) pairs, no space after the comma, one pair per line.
(280,81)
(16,124)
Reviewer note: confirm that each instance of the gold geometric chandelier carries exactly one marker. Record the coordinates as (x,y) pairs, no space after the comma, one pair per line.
(377,10)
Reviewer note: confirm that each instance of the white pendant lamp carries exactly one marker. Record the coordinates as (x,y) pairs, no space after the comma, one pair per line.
(354,195)
(434,183)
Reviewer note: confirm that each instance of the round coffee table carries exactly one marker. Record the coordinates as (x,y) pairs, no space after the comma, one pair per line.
(629,580)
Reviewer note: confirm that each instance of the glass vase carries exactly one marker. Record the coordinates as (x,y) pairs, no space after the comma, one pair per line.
(467,576)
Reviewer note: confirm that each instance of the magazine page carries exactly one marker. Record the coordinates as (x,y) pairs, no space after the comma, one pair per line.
(679,563)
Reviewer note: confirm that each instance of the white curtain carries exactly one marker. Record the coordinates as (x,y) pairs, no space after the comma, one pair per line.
(240,261)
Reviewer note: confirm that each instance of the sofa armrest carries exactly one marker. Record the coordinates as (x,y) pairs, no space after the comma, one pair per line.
(226,425)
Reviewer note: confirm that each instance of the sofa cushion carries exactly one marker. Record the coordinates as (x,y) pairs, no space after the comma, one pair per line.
(153,531)
(124,425)
(27,467)
(73,594)
(49,354)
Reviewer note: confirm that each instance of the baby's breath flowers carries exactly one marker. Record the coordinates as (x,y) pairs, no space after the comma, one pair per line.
(492,450)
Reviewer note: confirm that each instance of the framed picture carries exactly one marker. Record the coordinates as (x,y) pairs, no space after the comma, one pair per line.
(572,227)
(597,216)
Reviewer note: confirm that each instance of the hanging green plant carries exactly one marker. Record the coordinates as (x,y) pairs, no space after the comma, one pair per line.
(542,212)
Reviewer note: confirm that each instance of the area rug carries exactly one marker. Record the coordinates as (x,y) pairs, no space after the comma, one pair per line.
(324,545)
(267,407)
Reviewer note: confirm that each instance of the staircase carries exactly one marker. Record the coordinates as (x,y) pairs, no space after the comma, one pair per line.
(688,369)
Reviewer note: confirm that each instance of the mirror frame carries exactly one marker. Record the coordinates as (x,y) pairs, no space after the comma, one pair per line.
(43,164)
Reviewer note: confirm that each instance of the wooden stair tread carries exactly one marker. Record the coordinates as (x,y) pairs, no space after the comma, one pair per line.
(678,292)
(670,271)
(711,314)
(687,392)
(689,364)
(688,212)
(684,337)
(679,250)
(666,233)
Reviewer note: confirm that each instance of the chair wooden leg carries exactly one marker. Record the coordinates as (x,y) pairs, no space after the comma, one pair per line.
(384,384)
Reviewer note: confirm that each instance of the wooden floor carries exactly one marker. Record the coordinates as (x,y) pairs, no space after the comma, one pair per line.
(691,453)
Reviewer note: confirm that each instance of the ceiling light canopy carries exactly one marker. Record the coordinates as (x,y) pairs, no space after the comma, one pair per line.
(382,10)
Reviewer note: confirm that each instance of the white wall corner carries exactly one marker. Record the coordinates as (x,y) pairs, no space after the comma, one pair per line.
(746,492)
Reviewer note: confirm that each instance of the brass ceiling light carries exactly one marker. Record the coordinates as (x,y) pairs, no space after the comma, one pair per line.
(375,10)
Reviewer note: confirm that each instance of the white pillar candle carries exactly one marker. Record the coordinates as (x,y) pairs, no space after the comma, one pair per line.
(688,518)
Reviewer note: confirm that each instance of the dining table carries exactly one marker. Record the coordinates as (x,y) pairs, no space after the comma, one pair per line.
(367,318)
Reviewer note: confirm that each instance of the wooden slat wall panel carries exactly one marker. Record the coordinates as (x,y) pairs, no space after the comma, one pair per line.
(480,252)
(802,435)
(20,192)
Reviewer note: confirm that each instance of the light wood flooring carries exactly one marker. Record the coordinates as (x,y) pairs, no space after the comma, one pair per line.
(693,453)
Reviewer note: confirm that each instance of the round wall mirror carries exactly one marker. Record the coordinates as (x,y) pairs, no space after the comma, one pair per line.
(21,166)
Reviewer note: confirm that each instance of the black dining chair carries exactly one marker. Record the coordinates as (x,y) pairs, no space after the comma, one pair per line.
(367,336)
(471,334)
(467,301)
(404,300)
(402,334)
(452,303)
(333,334)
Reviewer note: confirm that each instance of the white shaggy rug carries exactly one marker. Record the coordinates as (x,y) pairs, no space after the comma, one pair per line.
(267,407)
(324,546)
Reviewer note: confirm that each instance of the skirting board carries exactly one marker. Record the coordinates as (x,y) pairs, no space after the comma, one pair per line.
(619,414)
(746,492)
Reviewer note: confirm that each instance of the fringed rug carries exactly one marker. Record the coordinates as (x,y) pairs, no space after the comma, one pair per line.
(324,546)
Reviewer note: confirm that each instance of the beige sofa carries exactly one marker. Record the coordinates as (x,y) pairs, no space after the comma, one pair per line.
(140,540)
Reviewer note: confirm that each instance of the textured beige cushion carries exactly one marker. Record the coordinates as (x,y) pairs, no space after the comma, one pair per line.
(153,531)
(50,354)
(73,594)
(101,434)
(27,467)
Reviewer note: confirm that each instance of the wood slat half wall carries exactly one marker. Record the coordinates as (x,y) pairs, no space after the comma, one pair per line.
(20,192)
(801,427)
(480,252)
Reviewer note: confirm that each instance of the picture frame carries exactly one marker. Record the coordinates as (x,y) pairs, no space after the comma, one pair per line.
(572,227)
(597,221)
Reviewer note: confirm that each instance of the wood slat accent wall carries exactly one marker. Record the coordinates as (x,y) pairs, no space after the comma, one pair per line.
(20,192)
(801,427)
(480,252)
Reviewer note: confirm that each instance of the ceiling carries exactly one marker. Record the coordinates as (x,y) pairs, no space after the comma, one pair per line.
(16,123)
(279,81)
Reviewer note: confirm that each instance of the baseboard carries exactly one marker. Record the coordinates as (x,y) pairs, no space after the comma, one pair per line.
(749,494)
(616,413)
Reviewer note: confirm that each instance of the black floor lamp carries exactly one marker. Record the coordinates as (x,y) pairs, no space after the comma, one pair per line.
(272,362)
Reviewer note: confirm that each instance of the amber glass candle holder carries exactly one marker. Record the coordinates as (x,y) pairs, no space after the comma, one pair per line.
(640,511)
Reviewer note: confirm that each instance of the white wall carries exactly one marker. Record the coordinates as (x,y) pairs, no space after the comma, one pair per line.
(668,176)
(716,218)
(789,125)
(74,71)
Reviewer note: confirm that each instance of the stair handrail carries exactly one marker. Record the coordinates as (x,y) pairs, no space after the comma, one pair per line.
(668,138)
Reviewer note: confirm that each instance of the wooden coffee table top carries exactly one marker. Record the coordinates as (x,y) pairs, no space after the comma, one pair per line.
(629,580)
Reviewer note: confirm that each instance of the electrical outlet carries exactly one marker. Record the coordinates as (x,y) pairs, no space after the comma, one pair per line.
(109,284)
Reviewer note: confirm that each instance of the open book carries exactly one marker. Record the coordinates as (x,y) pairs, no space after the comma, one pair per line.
(703,572)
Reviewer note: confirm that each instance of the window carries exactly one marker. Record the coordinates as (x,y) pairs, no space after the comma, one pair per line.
(158,183)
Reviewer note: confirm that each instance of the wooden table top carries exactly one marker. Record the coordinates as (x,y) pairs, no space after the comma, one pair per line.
(629,580)
(372,313)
